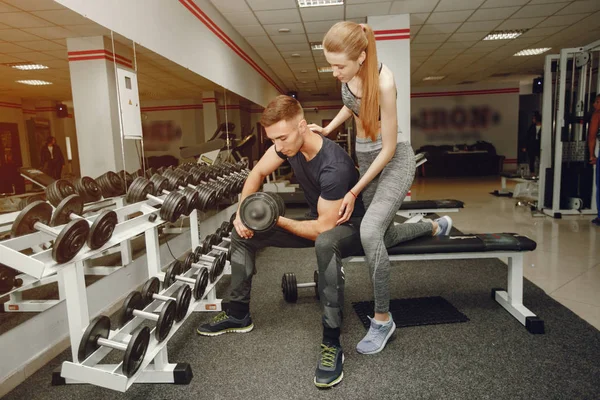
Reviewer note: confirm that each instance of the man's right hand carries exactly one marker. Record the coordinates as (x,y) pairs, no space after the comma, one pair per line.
(241,229)
(593,160)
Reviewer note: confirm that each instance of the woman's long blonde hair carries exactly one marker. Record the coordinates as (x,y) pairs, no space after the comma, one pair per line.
(352,39)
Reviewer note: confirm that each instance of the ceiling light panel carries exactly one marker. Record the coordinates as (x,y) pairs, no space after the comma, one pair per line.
(27,67)
(34,82)
(319,3)
(505,35)
(532,52)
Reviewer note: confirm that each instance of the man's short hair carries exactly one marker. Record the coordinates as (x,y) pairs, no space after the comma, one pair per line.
(281,108)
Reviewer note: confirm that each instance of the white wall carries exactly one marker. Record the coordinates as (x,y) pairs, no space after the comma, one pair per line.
(490,113)
(179,31)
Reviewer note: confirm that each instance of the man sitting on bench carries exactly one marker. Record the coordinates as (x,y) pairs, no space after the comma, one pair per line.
(326,173)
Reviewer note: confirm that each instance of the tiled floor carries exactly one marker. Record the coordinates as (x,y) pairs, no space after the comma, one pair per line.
(566,263)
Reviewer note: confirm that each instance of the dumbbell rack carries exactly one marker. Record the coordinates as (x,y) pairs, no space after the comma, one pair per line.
(16,302)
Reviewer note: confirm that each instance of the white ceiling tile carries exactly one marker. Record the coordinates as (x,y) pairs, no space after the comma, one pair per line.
(541,32)
(424,46)
(561,20)
(490,14)
(456,46)
(490,44)
(539,10)
(545,1)
(527,40)
(447,17)
(16,35)
(437,38)
(62,17)
(62,54)
(231,6)
(259,40)
(471,36)
(299,60)
(504,3)
(250,30)
(295,29)
(55,32)
(23,20)
(454,5)
(278,16)
(241,18)
(287,39)
(477,50)
(35,56)
(581,7)
(260,5)
(418,19)
(519,23)
(446,52)
(301,53)
(90,30)
(421,53)
(315,37)
(12,48)
(479,26)
(41,45)
(322,13)
(5,58)
(293,46)
(438,28)
(318,26)
(412,6)
(57,64)
(35,5)
(362,10)
(6,8)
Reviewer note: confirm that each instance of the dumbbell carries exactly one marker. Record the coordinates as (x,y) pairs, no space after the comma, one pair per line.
(71,208)
(96,335)
(289,287)
(215,264)
(182,296)
(58,190)
(161,184)
(259,211)
(67,242)
(210,243)
(88,189)
(133,306)
(174,271)
(110,184)
(224,230)
(173,206)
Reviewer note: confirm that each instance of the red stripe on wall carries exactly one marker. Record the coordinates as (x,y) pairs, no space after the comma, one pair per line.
(465,93)
(200,15)
(209,100)
(10,105)
(100,57)
(400,37)
(170,108)
(388,31)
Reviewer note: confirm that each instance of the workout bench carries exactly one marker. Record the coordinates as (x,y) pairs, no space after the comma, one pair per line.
(416,210)
(477,246)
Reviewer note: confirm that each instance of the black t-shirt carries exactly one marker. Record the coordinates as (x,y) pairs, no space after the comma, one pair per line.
(330,175)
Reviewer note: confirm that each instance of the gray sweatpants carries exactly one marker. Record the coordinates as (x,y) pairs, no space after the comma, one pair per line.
(382,198)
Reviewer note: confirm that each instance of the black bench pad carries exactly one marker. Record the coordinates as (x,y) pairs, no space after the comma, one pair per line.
(431,204)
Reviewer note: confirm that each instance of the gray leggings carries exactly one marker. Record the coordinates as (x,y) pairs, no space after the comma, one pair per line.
(382,198)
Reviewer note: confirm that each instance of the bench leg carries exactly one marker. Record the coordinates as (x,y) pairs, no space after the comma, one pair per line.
(512,298)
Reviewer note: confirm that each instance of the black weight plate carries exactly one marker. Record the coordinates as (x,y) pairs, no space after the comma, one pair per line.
(136,350)
(259,212)
(214,269)
(279,201)
(221,264)
(183,298)
(225,228)
(126,178)
(201,283)
(102,229)
(206,245)
(187,263)
(174,209)
(197,253)
(38,211)
(289,287)
(165,320)
(160,183)
(133,301)
(110,184)
(139,190)
(150,288)
(58,190)
(316,279)
(172,271)
(70,240)
(232,218)
(72,204)
(192,199)
(87,188)
(99,327)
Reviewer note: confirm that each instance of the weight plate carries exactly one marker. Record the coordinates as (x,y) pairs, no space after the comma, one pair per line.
(165,320)
(58,190)
(197,253)
(187,263)
(289,287)
(110,184)
(192,199)
(201,283)
(259,212)
(174,208)
(160,183)
(72,204)
(133,301)
(70,240)
(139,190)
(88,189)
(214,270)
(316,279)
(183,298)
(150,288)
(279,201)
(136,350)
(99,327)
(38,211)
(173,270)
(102,229)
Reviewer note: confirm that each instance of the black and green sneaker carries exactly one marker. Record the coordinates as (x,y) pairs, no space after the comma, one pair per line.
(223,323)
(329,369)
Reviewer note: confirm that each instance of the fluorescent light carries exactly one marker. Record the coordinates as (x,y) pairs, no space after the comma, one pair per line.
(34,82)
(295,55)
(316,46)
(325,69)
(504,35)
(532,52)
(318,3)
(283,30)
(434,78)
(27,67)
